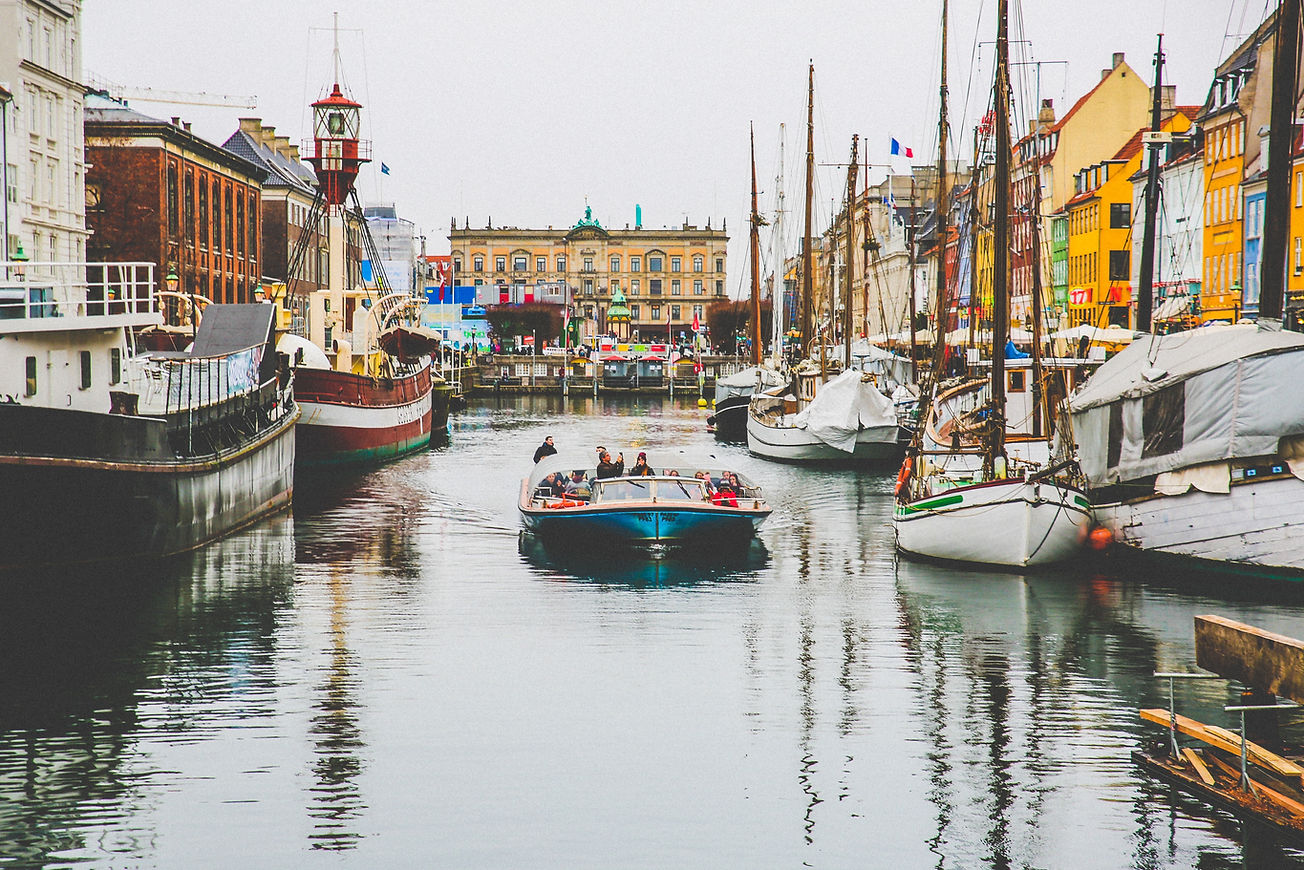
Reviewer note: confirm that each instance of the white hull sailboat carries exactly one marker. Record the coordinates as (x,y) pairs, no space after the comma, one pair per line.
(1012,523)
(848,419)
(996,484)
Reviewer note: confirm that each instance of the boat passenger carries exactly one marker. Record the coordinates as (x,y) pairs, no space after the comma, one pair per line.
(544,449)
(641,468)
(607,468)
(727,492)
(672,472)
(578,485)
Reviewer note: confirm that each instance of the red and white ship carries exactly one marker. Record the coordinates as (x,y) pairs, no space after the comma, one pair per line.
(363,368)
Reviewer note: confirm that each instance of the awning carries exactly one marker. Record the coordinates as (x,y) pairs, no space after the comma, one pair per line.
(1173,306)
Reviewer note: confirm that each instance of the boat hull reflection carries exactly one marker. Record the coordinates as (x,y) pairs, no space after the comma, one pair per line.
(651,566)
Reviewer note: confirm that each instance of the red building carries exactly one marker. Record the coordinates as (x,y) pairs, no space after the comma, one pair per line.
(156,192)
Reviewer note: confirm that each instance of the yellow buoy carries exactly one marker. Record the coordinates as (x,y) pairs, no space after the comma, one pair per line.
(701,403)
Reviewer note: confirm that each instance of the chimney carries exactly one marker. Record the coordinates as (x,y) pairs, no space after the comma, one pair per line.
(1118,59)
(281,145)
(251,126)
(176,120)
(266,135)
(1047,113)
(1168,98)
(186,126)
(294,154)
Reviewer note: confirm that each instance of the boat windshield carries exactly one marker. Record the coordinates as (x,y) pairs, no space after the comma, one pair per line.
(670,489)
(623,489)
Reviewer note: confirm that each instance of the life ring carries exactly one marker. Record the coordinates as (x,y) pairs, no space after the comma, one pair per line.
(565,503)
(903,475)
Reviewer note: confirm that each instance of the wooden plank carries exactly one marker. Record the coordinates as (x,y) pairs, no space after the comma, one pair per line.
(1258,658)
(1198,763)
(1263,791)
(1220,738)
(1283,767)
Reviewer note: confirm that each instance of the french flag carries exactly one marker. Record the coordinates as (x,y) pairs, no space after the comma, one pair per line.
(899,151)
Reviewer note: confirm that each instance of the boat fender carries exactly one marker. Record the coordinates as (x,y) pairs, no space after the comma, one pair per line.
(903,475)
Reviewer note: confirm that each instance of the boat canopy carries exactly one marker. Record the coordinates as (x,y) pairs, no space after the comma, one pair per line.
(1172,401)
(745,381)
(843,406)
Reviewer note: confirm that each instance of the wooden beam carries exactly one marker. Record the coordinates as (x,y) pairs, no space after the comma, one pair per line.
(1220,738)
(1263,791)
(1260,659)
(1197,762)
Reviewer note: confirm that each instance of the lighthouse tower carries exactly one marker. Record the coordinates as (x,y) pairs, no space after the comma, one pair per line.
(337,155)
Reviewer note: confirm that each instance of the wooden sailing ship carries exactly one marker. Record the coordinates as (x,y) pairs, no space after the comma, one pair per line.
(967,491)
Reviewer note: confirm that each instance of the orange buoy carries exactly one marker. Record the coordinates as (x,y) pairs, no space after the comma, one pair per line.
(1100,538)
(903,475)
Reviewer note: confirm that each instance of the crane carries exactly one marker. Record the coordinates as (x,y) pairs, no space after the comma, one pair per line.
(158,95)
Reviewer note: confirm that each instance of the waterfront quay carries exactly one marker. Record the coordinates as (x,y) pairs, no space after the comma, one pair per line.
(393,675)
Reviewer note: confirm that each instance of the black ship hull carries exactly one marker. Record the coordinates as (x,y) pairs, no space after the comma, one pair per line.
(730,419)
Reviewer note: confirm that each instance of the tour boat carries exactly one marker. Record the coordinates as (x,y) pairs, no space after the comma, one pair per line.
(109,452)
(663,508)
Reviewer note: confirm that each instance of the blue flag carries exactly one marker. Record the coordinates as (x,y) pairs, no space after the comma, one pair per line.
(384,170)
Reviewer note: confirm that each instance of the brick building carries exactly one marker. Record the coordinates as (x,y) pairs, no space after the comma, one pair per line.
(156,192)
(287,195)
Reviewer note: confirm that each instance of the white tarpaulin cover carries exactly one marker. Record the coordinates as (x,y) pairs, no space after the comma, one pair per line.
(743,382)
(843,407)
(1189,398)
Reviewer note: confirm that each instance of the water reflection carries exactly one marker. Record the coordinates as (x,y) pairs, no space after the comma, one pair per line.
(102,663)
(644,567)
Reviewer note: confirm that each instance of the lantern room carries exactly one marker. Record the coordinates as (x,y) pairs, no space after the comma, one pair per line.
(337,152)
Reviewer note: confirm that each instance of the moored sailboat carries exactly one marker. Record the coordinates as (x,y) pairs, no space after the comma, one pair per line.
(972,499)
(1193,442)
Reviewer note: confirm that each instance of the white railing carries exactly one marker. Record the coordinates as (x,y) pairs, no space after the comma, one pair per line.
(42,290)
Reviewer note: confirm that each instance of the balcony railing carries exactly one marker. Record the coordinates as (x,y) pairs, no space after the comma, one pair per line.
(46,295)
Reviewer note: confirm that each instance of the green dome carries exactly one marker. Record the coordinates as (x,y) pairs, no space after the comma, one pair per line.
(618,311)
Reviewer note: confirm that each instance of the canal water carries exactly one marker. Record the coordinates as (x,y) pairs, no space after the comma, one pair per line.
(394,676)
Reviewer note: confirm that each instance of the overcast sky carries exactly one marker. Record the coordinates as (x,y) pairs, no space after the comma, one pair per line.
(517,111)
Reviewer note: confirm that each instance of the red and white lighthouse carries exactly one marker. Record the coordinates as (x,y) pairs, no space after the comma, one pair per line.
(337,152)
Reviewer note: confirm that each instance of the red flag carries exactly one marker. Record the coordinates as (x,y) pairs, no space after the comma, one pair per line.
(695,326)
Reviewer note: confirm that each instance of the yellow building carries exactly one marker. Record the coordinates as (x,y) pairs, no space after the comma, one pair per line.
(1295,245)
(1101,224)
(1236,108)
(666,275)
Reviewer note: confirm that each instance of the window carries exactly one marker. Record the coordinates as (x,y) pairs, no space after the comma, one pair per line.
(634,287)
(615,286)
(675,289)
(656,312)
(697,312)
(654,286)
(1162,417)
(636,264)
(654,264)
(697,288)
(1299,189)
(519,263)
(500,264)
(675,264)
(85,369)
(1119,265)
(1299,255)
(1120,215)
(115,365)
(674,312)
(174,216)
(588,264)
(633,312)
(588,286)
(719,264)
(561,262)
(239,227)
(477,264)
(615,264)
(188,200)
(719,288)
(230,239)
(252,249)
(540,264)
(31,376)
(697,263)
(1114,451)
(1017,381)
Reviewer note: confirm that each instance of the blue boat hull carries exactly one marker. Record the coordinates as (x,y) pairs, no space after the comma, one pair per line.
(642,525)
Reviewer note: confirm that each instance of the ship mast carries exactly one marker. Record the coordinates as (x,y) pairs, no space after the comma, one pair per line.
(940,206)
(1145,297)
(1281,131)
(807,265)
(756,262)
(777,283)
(850,255)
(1001,244)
